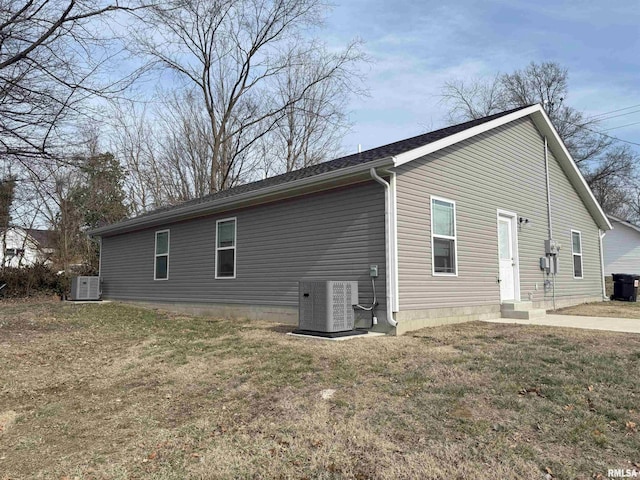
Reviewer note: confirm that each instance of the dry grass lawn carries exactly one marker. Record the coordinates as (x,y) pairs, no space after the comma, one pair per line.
(113,391)
(614,309)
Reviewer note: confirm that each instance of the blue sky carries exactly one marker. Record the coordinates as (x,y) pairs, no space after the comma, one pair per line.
(415,46)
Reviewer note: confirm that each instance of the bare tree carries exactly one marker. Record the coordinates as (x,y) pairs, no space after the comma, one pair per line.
(475,99)
(134,138)
(545,83)
(232,56)
(614,179)
(314,119)
(51,52)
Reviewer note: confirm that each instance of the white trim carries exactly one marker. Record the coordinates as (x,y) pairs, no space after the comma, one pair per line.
(234,248)
(514,249)
(542,121)
(446,237)
(573,254)
(411,155)
(156,255)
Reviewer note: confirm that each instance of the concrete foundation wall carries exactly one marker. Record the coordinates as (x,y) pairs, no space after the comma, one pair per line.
(562,302)
(281,314)
(410,320)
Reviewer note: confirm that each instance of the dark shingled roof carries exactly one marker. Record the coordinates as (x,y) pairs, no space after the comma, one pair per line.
(45,238)
(371,155)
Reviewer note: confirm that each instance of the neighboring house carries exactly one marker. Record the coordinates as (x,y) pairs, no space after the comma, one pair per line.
(23,247)
(456,220)
(622,248)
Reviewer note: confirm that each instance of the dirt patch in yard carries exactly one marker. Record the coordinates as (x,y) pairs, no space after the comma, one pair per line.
(613,309)
(114,391)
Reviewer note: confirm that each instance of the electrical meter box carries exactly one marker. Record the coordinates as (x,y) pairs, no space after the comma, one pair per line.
(551,247)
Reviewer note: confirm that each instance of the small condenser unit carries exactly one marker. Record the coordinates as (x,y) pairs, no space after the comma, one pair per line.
(327,306)
(85,288)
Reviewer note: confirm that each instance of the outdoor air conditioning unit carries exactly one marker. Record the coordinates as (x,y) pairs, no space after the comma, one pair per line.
(327,306)
(85,288)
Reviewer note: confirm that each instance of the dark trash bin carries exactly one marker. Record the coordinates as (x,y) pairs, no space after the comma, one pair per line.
(625,287)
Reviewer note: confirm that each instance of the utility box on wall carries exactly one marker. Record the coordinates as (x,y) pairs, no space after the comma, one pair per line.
(85,288)
(327,306)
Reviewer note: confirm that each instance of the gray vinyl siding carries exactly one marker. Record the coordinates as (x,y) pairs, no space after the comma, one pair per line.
(568,213)
(621,250)
(500,169)
(333,235)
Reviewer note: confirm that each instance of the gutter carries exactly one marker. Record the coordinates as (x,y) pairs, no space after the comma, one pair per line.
(201,209)
(389,243)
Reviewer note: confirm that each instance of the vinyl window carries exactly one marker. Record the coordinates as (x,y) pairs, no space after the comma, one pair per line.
(444,254)
(576,251)
(161,262)
(226,248)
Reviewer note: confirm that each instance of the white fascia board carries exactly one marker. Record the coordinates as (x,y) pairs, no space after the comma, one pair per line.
(204,208)
(411,155)
(542,121)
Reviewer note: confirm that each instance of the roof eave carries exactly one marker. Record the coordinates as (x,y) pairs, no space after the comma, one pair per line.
(225,204)
(432,147)
(543,123)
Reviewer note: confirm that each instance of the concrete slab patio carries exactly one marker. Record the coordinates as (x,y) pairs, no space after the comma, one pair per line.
(630,325)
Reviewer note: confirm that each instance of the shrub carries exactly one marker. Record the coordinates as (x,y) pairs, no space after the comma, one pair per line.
(39,279)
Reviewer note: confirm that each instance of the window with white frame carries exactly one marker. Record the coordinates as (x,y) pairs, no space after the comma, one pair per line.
(226,248)
(443,237)
(161,266)
(576,250)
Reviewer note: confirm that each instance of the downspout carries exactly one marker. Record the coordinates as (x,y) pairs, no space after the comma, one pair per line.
(395,297)
(389,253)
(604,285)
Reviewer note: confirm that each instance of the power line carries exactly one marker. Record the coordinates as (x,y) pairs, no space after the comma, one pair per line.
(616,116)
(608,136)
(604,134)
(621,126)
(614,111)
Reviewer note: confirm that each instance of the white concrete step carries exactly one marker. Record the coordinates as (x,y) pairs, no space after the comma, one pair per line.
(521,305)
(524,314)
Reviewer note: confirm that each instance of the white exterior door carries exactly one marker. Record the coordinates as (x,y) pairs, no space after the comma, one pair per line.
(508,270)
